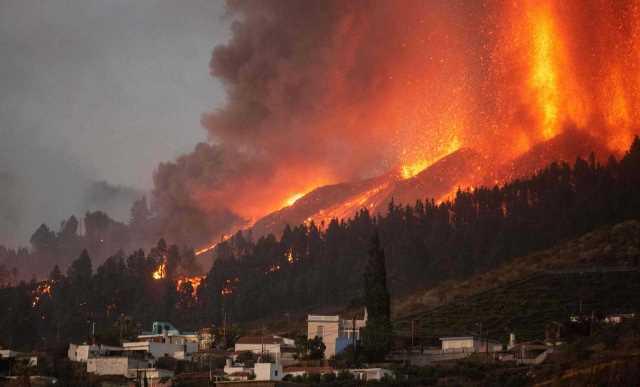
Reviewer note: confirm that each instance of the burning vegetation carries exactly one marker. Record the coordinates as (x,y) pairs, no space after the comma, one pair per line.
(161,271)
(194,282)
(43,289)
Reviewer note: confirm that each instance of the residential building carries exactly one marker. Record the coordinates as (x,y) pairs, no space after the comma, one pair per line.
(165,340)
(236,369)
(280,348)
(336,333)
(162,349)
(82,352)
(30,360)
(114,365)
(364,374)
(308,370)
(151,377)
(268,371)
(469,344)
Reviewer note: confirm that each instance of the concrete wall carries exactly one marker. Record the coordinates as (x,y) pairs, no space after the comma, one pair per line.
(158,350)
(257,348)
(469,344)
(114,365)
(267,371)
(108,366)
(458,345)
(81,352)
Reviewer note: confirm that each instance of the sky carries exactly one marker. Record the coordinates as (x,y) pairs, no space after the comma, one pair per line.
(94,90)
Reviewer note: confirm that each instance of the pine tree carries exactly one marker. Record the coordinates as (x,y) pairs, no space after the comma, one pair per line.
(377,334)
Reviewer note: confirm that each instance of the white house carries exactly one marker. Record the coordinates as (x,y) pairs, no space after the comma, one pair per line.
(268,371)
(165,340)
(161,349)
(469,344)
(336,333)
(280,348)
(82,352)
(261,371)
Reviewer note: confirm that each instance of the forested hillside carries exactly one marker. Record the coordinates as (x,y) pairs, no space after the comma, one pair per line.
(312,266)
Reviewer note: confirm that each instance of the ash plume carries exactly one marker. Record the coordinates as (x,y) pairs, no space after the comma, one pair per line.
(320,92)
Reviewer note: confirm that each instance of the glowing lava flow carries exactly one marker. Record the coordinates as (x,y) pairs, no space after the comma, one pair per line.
(211,246)
(291,200)
(409,170)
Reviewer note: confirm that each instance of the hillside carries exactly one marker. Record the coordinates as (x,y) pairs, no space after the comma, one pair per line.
(342,201)
(598,270)
(462,168)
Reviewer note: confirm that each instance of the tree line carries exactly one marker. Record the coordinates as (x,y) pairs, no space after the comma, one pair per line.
(312,266)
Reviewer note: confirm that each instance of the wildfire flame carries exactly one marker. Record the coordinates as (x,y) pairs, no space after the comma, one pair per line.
(161,270)
(195,282)
(43,289)
(212,246)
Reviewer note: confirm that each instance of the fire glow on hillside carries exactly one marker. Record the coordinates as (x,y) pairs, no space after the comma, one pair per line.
(432,78)
(161,270)
(194,281)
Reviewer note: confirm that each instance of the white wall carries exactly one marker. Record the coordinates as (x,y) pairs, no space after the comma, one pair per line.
(458,345)
(267,371)
(257,348)
(108,365)
(158,350)
(469,344)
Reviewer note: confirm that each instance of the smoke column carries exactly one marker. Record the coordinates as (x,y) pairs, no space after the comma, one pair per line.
(325,91)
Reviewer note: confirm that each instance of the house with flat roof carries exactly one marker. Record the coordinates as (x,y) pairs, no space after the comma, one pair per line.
(336,333)
(165,340)
(282,349)
(469,344)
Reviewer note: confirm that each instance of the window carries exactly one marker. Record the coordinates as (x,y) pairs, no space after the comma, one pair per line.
(320,331)
(275,373)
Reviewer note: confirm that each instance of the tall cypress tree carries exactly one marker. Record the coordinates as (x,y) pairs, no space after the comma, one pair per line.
(376,336)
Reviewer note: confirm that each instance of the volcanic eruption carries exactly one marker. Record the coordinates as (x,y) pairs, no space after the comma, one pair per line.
(333,106)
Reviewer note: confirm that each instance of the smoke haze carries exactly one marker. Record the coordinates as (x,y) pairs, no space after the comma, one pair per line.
(96,90)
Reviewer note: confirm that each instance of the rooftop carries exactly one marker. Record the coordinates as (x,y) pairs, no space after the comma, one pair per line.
(260,340)
(315,317)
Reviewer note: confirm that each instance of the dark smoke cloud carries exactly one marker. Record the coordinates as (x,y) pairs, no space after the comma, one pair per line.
(309,86)
(325,91)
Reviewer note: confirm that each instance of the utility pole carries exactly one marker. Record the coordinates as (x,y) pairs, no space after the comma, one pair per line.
(210,372)
(353,335)
(262,341)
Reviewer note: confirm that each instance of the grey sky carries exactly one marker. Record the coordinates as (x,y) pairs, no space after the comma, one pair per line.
(98,90)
